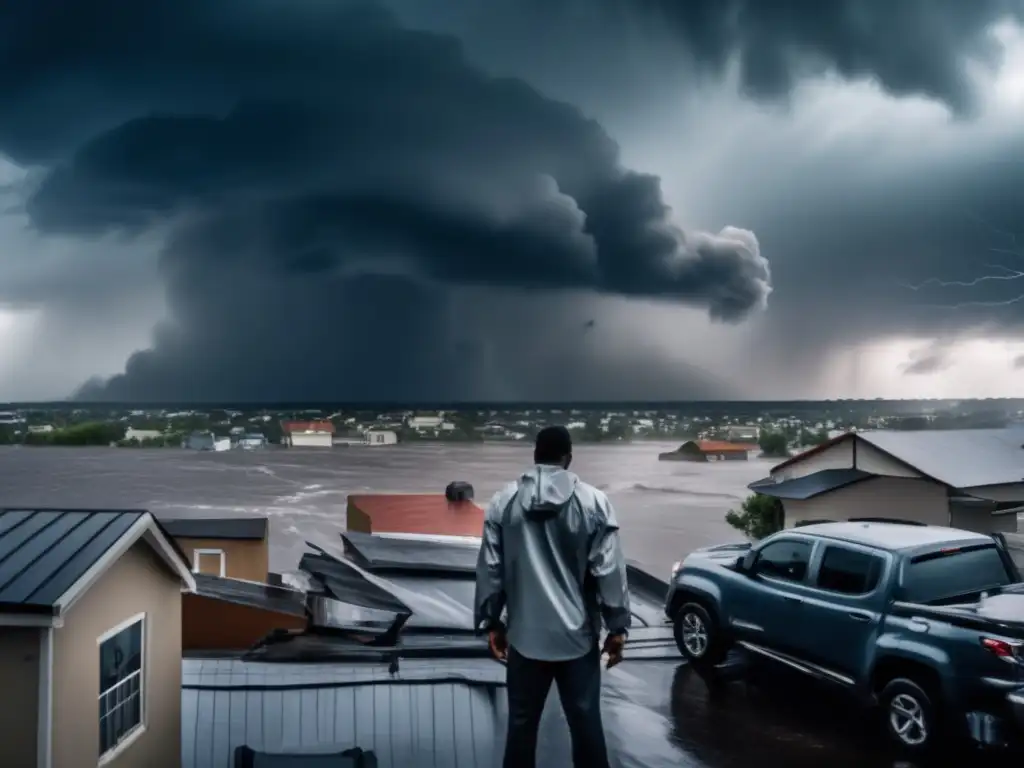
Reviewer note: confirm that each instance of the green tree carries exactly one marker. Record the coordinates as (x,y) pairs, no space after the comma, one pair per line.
(773,445)
(757,517)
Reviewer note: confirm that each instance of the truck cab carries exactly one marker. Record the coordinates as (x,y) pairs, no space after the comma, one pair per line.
(893,613)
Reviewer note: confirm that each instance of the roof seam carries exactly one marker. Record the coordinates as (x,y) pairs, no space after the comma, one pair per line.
(42,554)
(90,540)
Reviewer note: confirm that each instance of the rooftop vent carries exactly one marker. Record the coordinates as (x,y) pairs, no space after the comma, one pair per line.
(459,491)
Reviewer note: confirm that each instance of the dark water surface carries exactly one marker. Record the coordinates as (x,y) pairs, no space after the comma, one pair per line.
(665,509)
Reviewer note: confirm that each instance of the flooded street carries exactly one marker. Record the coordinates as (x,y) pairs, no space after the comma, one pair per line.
(666,509)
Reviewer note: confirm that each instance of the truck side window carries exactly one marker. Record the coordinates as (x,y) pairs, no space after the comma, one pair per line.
(848,571)
(784,560)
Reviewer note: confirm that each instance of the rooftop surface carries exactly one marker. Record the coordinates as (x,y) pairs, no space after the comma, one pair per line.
(893,537)
(308,426)
(239,528)
(419,513)
(811,485)
(723,446)
(43,553)
(250,593)
(961,458)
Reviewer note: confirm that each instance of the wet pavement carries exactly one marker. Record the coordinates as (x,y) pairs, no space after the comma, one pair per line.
(666,509)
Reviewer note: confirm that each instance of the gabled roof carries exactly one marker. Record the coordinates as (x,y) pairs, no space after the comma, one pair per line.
(216,527)
(960,458)
(50,557)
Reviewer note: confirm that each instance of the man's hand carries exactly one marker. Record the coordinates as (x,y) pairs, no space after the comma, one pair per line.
(498,643)
(613,647)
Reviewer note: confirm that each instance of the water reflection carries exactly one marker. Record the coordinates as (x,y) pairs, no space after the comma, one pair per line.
(777,719)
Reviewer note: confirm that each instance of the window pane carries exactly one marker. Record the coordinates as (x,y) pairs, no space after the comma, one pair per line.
(784,560)
(850,572)
(120,695)
(120,656)
(932,579)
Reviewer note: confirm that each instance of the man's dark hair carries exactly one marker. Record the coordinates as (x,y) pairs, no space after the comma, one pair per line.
(553,445)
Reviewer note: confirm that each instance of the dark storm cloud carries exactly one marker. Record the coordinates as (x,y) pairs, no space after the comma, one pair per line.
(931,359)
(909,48)
(303,150)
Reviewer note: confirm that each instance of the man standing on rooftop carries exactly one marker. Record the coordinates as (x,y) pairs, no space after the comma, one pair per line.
(550,556)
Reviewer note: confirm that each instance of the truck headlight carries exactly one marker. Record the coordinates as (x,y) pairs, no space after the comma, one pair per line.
(676,566)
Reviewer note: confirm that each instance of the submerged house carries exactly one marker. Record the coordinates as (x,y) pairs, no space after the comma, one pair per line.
(709,450)
(373,662)
(971,479)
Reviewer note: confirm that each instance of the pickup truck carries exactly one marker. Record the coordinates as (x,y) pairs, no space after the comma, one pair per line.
(925,623)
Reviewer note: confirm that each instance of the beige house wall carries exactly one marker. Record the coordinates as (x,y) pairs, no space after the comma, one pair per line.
(921,501)
(247,559)
(138,583)
(19,678)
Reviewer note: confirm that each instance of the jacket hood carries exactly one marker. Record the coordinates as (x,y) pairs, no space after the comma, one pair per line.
(545,490)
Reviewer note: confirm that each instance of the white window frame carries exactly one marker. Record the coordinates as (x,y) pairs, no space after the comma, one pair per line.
(196,553)
(132,735)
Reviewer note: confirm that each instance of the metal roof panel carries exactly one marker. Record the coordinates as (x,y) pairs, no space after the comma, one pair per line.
(44,552)
(961,458)
(216,527)
(811,485)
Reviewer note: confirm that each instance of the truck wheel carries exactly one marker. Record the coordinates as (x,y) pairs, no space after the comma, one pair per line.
(909,715)
(698,636)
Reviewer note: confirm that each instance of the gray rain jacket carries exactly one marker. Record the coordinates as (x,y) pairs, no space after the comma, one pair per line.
(550,554)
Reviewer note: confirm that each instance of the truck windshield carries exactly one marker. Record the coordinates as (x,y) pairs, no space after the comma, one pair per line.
(946,575)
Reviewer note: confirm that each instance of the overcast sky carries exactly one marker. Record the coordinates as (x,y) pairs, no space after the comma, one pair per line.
(558,200)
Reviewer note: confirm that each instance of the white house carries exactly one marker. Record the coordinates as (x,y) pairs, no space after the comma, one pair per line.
(425,422)
(207,441)
(251,442)
(971,479)
(309,434)
(142,434)
(381,437)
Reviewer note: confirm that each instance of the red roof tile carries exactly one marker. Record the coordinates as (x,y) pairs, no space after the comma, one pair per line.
(419,513)
(322,425)
(721,446)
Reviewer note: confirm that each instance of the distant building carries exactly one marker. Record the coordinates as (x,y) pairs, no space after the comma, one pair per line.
(251,442)
(743,434)
(425,422)
(381,437)
(308,434)
(708,450)
(40,428)
(142,434)
(207,441)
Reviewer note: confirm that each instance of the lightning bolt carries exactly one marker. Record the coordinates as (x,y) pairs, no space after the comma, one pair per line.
(994,273)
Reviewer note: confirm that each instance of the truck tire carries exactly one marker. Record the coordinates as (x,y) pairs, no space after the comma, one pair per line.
(910,716)
(698,636)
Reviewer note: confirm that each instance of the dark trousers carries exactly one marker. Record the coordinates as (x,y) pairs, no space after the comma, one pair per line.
(579,688)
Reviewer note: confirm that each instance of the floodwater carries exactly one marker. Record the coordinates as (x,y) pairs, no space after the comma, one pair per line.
(666,509)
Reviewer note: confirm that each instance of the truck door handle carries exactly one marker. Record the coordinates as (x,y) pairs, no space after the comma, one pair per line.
(857,616)
(792,599)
